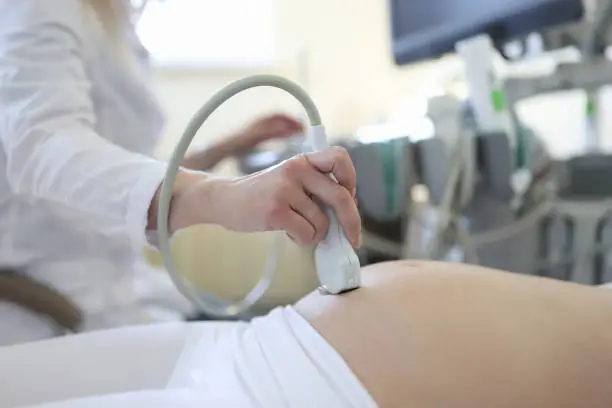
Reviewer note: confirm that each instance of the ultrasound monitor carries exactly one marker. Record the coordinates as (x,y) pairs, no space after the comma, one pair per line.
(429,29)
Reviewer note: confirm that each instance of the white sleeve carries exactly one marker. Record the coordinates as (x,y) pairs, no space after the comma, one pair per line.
(47,124)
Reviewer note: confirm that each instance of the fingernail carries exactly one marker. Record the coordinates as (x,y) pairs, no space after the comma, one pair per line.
(354,192)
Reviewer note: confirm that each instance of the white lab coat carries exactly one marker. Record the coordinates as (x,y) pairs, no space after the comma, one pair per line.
(78,124)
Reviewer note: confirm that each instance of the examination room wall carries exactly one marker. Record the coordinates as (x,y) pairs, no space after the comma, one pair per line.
(354,82)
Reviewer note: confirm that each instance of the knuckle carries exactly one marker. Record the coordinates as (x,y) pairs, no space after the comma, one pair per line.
(294,166)
(340,153)
(278,206)
(282,189)
(342,198)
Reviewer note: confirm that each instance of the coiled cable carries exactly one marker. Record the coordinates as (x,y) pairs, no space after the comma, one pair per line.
(207,302)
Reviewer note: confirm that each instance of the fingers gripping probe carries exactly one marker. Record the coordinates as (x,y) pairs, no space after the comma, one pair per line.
(336,262)
(337,265)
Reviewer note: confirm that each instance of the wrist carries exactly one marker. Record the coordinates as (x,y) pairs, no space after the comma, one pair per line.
(194,200)
(185,179)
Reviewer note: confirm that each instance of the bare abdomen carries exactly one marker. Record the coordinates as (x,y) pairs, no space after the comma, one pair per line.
(421,334)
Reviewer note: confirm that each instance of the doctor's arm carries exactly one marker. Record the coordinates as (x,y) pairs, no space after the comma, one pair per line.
(47,125)
(53,153)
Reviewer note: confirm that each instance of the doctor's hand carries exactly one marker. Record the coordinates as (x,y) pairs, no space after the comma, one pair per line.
(282,198)
(271,127)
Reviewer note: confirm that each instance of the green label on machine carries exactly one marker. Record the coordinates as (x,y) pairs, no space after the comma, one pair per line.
(590,108)
(391,154)
(499,100)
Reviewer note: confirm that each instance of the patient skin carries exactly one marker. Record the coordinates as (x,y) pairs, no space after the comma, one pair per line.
(421,334)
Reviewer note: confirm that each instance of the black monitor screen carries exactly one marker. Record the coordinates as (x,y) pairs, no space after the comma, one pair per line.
(423,29)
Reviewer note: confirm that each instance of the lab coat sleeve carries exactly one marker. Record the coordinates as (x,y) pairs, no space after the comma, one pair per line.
(47,124)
